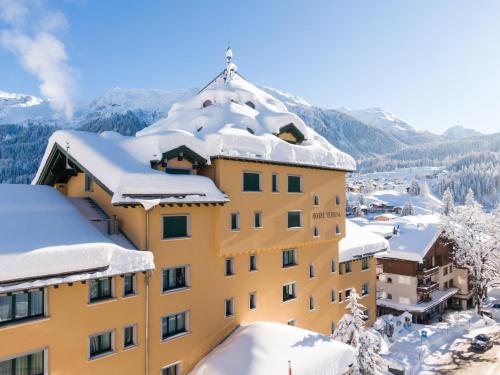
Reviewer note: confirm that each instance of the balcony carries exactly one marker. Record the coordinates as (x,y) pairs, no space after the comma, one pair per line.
(426,272)
(427,287)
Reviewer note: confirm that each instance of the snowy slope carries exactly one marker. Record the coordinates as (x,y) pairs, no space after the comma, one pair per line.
(24,110)
(391,124)
(459,132)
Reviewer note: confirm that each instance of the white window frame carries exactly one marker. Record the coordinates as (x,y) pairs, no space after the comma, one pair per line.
(102,300)
(188,227)
(178,364)
(312,268)
(113,344)
(243,181)
(134,326)
(316,232)
(250,263)
(188,278)
(295,289)
(134,281)
(312,302)
(260,219)
(45,351)
(345,292)
(367,288)
(295,258)
(277,182)
(334,295)
(187,321)
(301,220)
(237,221)
(254,294)
(233,272)
(316,197)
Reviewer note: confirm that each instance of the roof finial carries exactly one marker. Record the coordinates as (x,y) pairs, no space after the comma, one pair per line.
(231,67)
(229,54)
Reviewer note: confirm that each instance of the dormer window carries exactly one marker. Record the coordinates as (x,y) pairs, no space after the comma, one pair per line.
(207,103)
(180,160)
(291,134)
(250,104)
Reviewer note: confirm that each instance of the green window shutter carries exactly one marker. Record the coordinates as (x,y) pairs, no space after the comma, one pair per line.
(175,226)
(251,181)
(294,183)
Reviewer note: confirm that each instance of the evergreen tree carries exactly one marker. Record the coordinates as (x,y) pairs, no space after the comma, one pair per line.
(447,202)
(414,187)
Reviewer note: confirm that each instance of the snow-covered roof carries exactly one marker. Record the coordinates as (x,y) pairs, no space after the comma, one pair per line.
(265,348)
(45,240)
(359,241)
(437,297)
(416,236)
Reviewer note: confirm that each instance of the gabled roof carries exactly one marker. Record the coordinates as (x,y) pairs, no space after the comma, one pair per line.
(184,152)
(292,129)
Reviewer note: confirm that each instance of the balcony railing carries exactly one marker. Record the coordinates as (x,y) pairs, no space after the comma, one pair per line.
(427,288)
(426,272)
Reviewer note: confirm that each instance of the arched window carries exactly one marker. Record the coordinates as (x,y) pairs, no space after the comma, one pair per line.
(316,200)
(207,103)
(250,104)
(389,280)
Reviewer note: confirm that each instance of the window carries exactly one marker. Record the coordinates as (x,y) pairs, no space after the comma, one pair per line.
(129,336)
(445,271)
(311,303)
(235,221)
(229,269)
(316,200)
(175,226)
(316,232)
(229,307)
(128,285)
(291,322)
(451,283)
(101,344)
(20,306)
(365,263)
(340,297)
(175,278)
(294,184)
(389,296)
(347,293)
(250,104)
(251,181)
(289,258)
(207,103)
(30,364)
(174,325)
(334,295)
(88,183)
(253,262)
(333,266)
(337,200)
(337,229)
(274,183)
(174,369)
(294,219)
(367,315)
(177,171)
(289,292)
(389,280)
(348,266)
(252,300)
(312,272)
(451,268)
(101,289)
(334,326)
(257,219)
(364,289)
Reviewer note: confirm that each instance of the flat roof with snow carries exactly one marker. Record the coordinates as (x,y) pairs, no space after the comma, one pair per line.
(44,239)
(263,348)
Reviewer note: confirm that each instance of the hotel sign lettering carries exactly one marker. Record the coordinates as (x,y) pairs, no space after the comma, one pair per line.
(325,215)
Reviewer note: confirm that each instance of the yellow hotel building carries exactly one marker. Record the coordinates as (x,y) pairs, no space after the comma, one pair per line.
(243,208)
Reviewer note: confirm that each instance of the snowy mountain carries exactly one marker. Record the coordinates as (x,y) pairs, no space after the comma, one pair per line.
(23,109)
(391,124)
(459,132)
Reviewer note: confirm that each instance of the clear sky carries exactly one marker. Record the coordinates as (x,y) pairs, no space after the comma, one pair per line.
(433,63)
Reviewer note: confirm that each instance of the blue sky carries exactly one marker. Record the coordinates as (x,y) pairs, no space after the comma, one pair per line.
(433,63)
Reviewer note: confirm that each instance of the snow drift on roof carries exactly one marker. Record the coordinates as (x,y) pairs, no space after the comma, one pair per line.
(265,348)
(232,117)
(43,234)
(358,242)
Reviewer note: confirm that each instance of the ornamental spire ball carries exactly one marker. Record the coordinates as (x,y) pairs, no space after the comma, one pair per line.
(231,67)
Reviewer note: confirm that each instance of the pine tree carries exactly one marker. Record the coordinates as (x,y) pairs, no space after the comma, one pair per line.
(407,209)
(447,202)
(369,360)
(414,187)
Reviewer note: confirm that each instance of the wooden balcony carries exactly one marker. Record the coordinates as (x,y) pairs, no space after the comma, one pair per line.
(426,272)
(427,287)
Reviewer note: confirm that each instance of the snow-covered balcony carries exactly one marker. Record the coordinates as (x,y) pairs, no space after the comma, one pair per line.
(427,272)
(427,287)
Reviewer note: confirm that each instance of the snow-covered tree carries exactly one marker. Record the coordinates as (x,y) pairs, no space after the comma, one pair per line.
(475,236)
(414,187)
(369,360)
(407,209)
(351,331)
(448,202)
(361,199)
(425,191)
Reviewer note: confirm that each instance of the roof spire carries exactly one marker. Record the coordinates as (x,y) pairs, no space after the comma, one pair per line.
(231,67)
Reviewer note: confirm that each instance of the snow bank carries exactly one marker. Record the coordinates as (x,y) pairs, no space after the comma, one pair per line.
(265,348)
(359,242)
(42,235)
(232,117)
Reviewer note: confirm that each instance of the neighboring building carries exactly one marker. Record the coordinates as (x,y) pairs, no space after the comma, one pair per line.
(243,207)
(69,294)
(417,273)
